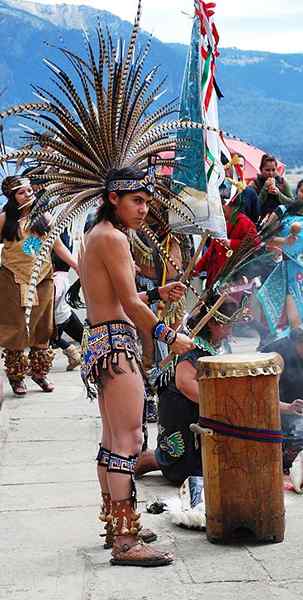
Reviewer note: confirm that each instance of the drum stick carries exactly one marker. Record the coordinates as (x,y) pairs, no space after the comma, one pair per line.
(208,316)
(195,428)
(166,361)
(187,273)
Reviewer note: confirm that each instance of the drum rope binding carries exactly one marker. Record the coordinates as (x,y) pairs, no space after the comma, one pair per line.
(211,426)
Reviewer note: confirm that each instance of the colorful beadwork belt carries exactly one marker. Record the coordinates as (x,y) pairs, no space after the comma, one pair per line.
(102,345)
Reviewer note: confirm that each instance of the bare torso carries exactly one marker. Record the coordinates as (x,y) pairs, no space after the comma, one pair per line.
(101,298)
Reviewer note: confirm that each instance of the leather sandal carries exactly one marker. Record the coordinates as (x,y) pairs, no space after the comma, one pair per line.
(19,388)
(43,383)
(129,548)
(139,555)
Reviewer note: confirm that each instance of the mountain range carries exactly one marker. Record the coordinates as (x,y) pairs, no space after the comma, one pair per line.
(263,92)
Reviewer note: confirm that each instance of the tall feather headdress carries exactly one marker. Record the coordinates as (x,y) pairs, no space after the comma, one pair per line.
(102,118)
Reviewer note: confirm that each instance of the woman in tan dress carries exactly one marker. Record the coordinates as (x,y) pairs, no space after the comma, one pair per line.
(20,246)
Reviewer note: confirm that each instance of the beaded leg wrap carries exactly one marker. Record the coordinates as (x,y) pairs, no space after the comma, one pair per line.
(106,517)
(125,466)
(40,361)
(103,457)
(16,365)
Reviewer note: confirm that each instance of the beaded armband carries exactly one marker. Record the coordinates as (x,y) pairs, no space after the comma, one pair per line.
(153,295)
(163,333)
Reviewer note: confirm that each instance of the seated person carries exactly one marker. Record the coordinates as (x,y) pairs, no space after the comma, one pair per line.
(272,189)
(291,391)
(178,452)
(249,198)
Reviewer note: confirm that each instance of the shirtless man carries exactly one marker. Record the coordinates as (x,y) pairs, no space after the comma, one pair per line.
(111,358)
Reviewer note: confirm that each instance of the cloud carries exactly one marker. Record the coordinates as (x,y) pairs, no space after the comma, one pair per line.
(271,25)
(274,34)
(259,8)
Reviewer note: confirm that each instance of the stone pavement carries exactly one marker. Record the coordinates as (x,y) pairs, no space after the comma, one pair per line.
(50,549)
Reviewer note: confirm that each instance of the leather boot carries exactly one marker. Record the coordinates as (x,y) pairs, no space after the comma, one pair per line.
(129,549)
(40,363)
(16,367)
(73,356)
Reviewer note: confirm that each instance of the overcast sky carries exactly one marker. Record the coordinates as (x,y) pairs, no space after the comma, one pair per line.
(273,25)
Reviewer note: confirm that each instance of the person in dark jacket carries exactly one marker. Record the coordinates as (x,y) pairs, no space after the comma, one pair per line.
(272,189)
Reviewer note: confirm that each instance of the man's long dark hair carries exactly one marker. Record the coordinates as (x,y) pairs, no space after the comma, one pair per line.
(107,212)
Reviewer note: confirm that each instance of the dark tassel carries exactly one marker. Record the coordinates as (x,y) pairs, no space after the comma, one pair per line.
(115,364)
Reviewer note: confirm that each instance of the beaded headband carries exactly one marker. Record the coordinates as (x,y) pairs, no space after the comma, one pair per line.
(146,184)
(133,185)
(240,314)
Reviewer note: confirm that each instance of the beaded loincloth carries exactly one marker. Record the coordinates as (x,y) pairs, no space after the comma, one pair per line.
(102,345)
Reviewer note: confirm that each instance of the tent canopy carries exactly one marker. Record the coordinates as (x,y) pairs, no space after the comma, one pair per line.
(252,157)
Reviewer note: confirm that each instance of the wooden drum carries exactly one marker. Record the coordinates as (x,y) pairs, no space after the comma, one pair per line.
(243,478)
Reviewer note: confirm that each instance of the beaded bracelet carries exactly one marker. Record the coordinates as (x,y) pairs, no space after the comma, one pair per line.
(163,333)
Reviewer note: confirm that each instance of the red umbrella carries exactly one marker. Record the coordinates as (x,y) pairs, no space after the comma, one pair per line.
(252,157)
(165,170)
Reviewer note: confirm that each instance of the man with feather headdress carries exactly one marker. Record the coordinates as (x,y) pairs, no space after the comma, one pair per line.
(108,147)
(111,355)
(107,138)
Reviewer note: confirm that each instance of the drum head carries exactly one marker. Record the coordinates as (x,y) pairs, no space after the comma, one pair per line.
(239,365)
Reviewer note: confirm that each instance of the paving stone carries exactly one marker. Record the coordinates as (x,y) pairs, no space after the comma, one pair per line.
(48,453)
(54,429)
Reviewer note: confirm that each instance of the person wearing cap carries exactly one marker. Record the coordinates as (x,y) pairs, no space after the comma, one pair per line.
(20,247)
